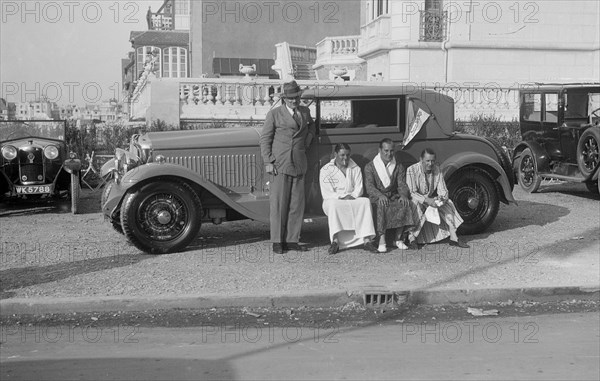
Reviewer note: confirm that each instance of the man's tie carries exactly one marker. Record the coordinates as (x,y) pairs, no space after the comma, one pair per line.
(297,117)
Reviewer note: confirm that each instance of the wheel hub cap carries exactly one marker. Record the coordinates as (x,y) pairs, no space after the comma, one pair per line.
(163,217)
(473,202)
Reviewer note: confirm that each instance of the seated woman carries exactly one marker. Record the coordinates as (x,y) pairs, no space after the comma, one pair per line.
(349,216)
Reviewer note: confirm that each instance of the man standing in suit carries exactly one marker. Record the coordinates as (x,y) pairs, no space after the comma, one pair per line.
(287,133)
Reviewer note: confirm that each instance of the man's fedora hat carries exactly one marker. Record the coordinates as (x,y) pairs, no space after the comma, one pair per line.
(291,90)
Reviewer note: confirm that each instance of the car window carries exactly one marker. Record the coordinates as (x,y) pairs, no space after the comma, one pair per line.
(551,108)
(575,105)
(532,107)
(359,113)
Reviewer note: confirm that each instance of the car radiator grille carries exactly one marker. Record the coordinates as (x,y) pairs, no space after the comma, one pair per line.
(30,173)
(227,170)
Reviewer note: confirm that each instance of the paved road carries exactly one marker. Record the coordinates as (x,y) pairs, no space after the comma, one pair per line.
(559,346)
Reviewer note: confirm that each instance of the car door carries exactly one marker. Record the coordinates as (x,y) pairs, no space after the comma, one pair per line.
(358,122)
(550,128)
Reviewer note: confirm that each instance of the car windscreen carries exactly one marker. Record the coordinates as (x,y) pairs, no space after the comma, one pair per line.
(580,103)
(19,129)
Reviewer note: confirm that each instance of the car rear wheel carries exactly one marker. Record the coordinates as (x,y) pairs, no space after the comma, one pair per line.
(75,190)
(161,217)
(529,179)
(593,186)
(588,155)
(475,197)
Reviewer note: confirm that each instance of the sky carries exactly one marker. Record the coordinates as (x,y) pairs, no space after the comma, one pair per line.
(69,50)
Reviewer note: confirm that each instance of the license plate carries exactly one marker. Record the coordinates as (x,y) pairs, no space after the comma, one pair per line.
(34,189)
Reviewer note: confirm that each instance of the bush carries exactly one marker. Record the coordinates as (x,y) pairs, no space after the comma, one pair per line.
(490,126)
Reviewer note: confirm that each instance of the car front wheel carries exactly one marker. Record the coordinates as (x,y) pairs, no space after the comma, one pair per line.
(161,217)
(475,197)
(588,153)
(529,179)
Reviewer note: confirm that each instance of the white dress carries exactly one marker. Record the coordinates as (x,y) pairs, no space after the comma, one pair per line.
(351,220)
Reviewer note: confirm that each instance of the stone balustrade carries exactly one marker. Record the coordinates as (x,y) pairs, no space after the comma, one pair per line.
(249,99)
(303,53)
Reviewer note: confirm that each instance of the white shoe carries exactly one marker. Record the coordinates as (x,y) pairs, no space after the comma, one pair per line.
(400,245)
(382,248)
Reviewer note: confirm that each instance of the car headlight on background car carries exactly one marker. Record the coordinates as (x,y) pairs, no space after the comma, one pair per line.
(51,152)
(9,152)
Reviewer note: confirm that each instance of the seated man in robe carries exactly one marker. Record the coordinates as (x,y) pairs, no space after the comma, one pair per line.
(389,195)
(349,215)
(428,190)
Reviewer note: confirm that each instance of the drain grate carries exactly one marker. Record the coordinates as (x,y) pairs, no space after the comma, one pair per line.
(380,299)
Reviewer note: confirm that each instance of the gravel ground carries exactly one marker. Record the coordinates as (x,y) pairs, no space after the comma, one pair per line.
(550,239)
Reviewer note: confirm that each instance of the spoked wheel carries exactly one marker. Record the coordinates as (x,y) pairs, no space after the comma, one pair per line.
(475,197)
(161,218)
(529,179)
(588,153)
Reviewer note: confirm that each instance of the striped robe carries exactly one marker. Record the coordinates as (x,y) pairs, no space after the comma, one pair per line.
(420,188)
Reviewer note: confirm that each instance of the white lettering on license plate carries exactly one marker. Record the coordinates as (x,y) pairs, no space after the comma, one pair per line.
(37,189)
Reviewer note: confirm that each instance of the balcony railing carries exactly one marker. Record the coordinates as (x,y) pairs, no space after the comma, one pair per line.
(433,25)
(161,22)
(303,53)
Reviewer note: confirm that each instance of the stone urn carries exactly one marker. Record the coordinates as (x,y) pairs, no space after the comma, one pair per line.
(338,71)
(248,69)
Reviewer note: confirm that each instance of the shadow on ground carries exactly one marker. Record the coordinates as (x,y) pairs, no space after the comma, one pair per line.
(16,278)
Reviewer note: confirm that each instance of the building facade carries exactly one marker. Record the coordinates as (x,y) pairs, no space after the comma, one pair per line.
(442,41)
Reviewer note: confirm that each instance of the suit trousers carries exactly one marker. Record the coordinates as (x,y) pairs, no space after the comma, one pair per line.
(287,208)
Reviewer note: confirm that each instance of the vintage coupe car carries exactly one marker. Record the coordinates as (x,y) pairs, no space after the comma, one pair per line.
(167,183)
(34,162)
(560,128)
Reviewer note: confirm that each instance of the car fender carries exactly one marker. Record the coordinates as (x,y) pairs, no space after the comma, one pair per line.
(542,160)
(461,160)
(147,172)
(108,167)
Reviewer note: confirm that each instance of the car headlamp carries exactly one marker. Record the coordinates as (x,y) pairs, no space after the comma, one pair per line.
(51,152)
(9,152)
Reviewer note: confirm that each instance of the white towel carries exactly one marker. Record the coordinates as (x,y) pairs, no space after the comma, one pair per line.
(384,172)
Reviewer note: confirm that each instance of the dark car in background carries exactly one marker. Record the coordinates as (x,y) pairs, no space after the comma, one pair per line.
(34,162)
(560,128)
(167,183)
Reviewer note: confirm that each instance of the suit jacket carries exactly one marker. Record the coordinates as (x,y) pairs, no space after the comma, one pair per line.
(375,187)
(284,143)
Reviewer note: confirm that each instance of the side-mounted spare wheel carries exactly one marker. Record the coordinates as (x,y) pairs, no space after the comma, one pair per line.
(588,155)
(529,178)
(475,197)
(161,217)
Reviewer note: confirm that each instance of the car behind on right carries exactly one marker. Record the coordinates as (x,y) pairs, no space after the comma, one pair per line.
(560,128)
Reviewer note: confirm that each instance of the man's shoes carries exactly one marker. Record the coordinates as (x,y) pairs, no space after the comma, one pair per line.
(382,248)
(400,245)
(333,249)
(278,248)
(370,247)
(412,245)
(296,246)
(460,244)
